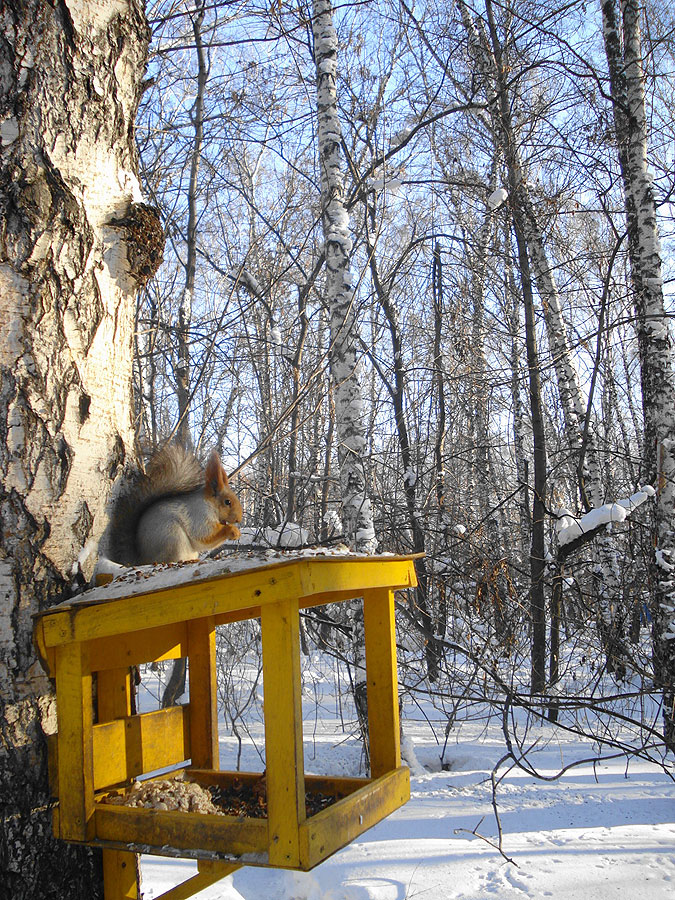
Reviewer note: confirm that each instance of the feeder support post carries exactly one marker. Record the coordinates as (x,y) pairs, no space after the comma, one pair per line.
(283,730)
(382,681)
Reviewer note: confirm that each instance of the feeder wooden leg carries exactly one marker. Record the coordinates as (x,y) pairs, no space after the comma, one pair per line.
(75,744)
(205,751)
(382,680)
(120,875)
(283,730)
(120,868)
(209,873)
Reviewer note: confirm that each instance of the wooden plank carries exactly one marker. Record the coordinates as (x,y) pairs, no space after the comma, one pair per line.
(98,616)
(283,730)
(176,604)
(321,578)
(133,746)
(337,825)
(125,748)
(136,647)
(113,694)
(331,785)
(175,830)
(121,871)
(204,748)
(45,654)
(252,612)
(75,746)
(120,875)
(209,873)
(382,681)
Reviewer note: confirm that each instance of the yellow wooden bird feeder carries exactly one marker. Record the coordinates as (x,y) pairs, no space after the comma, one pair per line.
(112,628)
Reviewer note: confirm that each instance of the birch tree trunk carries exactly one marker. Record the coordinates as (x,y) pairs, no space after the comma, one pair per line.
(621,29)
(69,90)
(350,415)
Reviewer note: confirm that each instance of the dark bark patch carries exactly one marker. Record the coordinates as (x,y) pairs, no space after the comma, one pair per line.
(83,523)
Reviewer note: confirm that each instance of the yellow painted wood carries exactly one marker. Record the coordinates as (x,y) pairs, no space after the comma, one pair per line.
(113,694)
(182,831)
(337,825)
(330,785)
(89,618)
(181,621)
(382,681)
(324,576)
(133,746)
(208,873)
(217,867)
(141,646)
(75,743)
(45,654)
(238,615)
(178,604)
(121,872)
(120,875)
(283,730)
(126,748)
(204,749)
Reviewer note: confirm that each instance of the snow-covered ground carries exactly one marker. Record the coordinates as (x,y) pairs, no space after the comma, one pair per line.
(597,832)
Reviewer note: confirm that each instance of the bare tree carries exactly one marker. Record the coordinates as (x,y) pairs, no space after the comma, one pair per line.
(621,28)
(350,414)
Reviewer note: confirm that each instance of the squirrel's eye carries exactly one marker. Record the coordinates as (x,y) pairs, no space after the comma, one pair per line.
(227,503)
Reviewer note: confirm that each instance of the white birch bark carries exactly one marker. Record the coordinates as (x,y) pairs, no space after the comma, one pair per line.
(479,383)
(350,415)
(624,57)
(69,86)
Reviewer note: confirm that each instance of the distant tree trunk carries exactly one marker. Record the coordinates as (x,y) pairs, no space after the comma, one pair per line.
(175,686)
(495,65)
(439,384)
(350,415)
(185,308)
(513,319)
(397,391)
(491,67)
(441,615)
(70,78)
(621,29)
(538,546)
(479,400)
(296,364)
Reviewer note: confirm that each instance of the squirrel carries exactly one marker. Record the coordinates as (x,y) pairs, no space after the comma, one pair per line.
(173,511)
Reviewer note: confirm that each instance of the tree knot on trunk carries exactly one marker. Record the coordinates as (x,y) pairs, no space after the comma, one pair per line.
(145,240)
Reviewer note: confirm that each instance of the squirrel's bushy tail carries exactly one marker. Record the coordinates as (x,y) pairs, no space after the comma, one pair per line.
(171,472)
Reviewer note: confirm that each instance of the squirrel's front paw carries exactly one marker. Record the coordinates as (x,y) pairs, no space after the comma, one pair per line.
(233,533)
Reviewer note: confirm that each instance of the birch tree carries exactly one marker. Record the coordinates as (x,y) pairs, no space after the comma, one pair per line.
(71,256)
(345,365)
(621,28)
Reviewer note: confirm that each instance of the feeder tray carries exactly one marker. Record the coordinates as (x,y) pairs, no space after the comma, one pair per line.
(299,820)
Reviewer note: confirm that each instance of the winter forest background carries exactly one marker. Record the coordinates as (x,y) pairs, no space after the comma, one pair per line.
(505,174)
(416,289)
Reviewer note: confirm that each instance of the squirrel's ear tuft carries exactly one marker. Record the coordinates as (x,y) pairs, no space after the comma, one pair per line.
(216,479)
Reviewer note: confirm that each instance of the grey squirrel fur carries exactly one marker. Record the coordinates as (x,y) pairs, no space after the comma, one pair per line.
(173,511)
